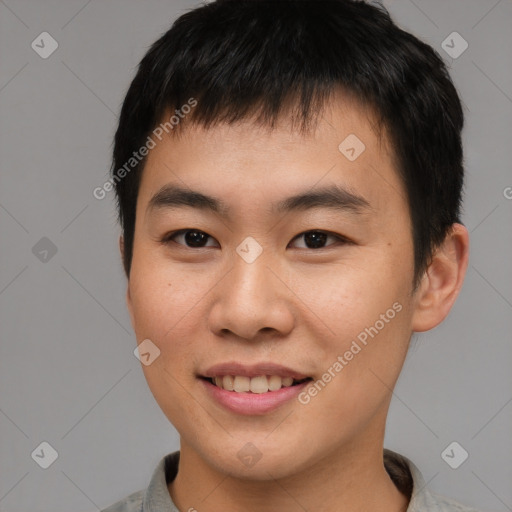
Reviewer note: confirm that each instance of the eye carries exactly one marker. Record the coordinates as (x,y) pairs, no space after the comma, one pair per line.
(194,238)
(315,239)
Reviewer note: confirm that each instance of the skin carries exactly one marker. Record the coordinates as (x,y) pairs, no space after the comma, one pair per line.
(294,305)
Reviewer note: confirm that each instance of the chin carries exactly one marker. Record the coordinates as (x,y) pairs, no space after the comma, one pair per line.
(258,461)
(265,469)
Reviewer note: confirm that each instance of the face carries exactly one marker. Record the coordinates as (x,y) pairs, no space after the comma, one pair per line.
(319,286)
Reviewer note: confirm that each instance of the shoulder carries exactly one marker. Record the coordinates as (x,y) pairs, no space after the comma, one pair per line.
(446,504)
(156,495)
(132,503)
(409,480)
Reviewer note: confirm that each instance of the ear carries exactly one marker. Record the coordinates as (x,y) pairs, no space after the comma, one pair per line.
(129,304)
(442,281)
(128,296)
(121,248)
(123,259)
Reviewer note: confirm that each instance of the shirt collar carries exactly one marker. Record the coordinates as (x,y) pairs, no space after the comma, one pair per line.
(400,468)
(409,479)
(157,497)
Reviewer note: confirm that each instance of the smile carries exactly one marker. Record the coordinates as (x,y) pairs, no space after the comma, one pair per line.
(258,385)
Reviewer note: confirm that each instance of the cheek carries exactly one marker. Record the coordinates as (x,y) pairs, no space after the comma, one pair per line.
(169,309)
(359,373)
(349,297)
(366,308)
(164,299)
(166,310)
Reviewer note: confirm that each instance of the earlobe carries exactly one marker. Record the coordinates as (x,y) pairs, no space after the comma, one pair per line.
(442,281)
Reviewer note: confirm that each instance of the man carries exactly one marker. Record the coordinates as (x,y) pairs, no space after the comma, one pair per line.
(288,176)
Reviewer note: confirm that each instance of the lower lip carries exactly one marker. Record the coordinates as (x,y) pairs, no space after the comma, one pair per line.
(253,403)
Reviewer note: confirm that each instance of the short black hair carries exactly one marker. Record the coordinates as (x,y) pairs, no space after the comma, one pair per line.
(241,58)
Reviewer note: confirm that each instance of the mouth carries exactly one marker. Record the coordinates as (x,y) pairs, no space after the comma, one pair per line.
(252,389)
(257,385)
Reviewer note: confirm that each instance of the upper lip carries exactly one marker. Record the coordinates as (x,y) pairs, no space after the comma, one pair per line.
(252,370)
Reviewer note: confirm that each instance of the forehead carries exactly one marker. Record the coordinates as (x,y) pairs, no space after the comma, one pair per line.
(250,165)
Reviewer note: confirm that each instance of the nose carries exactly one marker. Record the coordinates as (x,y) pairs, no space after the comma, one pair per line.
(252,299)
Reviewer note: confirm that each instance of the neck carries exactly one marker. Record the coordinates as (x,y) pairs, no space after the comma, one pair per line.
(351,479)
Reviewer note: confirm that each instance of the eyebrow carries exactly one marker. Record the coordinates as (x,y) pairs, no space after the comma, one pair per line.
(332,197)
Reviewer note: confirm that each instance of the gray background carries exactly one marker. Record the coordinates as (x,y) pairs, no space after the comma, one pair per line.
(68,375)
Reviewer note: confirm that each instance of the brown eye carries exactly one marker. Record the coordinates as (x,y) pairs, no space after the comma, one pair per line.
(316,239)
(193,238)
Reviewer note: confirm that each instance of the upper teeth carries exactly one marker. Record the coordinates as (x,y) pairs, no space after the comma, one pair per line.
(260,384)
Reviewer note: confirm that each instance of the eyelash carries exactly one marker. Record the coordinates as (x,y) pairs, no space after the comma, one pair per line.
(168,238)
